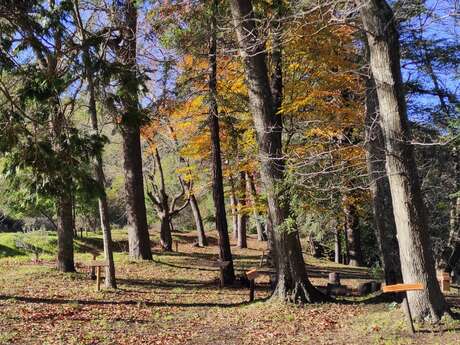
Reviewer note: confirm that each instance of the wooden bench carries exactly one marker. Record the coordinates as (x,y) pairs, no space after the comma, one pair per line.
(403,288)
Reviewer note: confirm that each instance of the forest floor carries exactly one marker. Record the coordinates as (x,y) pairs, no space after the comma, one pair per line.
(176,299)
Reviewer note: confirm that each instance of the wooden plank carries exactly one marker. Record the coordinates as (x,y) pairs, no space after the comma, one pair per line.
(96,263)
(252,274)
(403,287)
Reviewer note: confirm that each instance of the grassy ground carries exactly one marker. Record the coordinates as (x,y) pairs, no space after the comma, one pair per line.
(176,300)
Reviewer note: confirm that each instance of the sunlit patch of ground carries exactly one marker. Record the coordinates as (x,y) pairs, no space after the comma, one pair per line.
(176,300)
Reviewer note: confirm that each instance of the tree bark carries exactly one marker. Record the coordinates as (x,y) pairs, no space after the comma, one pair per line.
(160,200)
(65,260)
(251,187)
(271,249)
(292,281)
(337,245)
(165,232)
(417,263)
(110,280)
(225,254)
(233,208)
(353,237)
(385,227)
(242,216)
(138,235)
(452,252)
(201,235)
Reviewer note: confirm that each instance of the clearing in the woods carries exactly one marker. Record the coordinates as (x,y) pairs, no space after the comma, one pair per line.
(176,299)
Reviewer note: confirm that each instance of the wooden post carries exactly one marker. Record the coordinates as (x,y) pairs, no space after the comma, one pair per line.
(405,304)
(252,289)
(262,258)
(334,278)
(93,273)
(177,246)
(406,308)
(444,280)
(98,278)
(251,276)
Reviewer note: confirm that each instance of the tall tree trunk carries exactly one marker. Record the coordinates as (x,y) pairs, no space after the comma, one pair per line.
(165,232)
(160,200)
(110,280)
(138,235)
(65,261)
(202,240)
(453,249)
(337,246)
(271,249)
(234,208)
(225,254)
(74,215)
(251,187)
(385,227)
(201,235)
(64,201)
(417,263)
(345,249)
(292,281)
(242,216)
(352,235)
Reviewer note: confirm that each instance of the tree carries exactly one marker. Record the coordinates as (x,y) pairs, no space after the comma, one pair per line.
(228,274)
(242,216)
(131,118)
(98,164)
(201,235)
(292,282)
(354,253)
(233,207)
(160,199)
(417,263)
(451,255)
(385,227)
(251,187)
(40,138)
